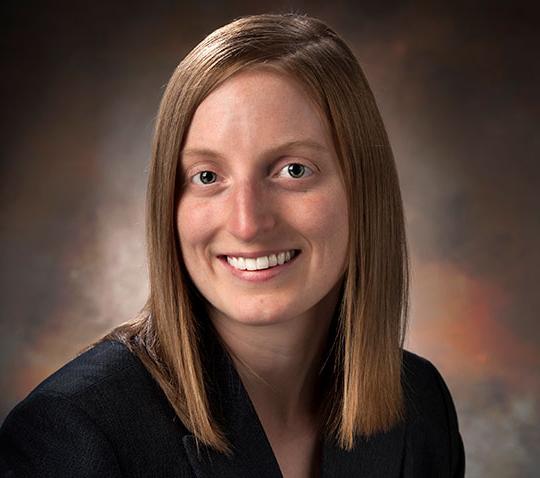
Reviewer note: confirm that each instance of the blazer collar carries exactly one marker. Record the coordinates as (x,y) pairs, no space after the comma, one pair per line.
(381,455)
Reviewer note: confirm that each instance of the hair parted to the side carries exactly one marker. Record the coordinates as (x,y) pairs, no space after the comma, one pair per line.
(366,390)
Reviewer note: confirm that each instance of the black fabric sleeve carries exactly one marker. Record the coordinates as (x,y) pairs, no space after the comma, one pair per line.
(456,450)
(47,435)
(434,447)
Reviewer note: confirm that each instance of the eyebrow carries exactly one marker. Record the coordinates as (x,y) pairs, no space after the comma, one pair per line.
(302,143)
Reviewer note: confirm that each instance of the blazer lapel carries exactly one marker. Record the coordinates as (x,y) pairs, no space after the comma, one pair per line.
(379,456)
(252,452)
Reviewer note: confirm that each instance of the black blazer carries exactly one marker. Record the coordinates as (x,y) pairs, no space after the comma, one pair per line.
(102,415)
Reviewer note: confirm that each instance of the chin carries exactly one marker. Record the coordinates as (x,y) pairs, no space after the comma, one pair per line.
(257,314)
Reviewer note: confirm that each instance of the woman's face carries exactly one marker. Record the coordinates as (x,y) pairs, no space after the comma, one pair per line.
(262,182)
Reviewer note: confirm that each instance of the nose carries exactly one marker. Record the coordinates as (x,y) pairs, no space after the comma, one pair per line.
(251,213)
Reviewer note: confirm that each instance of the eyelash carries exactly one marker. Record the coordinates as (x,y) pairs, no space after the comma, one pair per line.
(306,168)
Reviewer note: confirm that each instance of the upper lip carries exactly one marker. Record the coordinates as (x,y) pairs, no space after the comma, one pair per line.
(258,253)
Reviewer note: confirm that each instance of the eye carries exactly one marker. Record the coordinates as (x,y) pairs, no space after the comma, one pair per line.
(296,170)
(204,177)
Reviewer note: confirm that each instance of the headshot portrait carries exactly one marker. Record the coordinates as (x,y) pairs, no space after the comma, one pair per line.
(273,326)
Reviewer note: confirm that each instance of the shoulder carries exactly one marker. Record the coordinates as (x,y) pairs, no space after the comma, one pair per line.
(96,367)
(433,436)
(419,376)
(104,368)
(105,380)
(424,387)
(98,413)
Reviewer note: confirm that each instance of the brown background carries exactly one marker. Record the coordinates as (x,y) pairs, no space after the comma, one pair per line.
(458,89)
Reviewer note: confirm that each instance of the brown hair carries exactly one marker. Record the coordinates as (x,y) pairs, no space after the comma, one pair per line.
(366,392)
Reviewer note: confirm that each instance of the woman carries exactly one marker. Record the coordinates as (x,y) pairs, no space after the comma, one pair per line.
(272,340)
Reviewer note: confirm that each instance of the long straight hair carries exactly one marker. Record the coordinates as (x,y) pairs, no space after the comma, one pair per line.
(365,394)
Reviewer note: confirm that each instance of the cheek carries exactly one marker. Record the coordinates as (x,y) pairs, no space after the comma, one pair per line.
(323,218)
(326,226)
(194,220)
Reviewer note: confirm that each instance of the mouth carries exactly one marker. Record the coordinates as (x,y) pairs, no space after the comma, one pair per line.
(259,266)
(249,262)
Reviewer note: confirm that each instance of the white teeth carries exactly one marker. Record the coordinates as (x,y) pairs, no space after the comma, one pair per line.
(237,262)
(260,263)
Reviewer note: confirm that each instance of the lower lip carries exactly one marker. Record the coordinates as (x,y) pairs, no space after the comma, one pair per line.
(262,275)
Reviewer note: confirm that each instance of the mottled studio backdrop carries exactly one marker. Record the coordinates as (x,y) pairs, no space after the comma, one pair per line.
(458,89)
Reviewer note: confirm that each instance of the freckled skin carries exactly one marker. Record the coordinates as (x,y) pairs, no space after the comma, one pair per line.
(254,204)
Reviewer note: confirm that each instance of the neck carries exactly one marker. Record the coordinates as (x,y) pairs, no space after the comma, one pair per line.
(279,363)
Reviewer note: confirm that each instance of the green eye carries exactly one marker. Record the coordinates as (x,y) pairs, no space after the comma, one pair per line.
(204,177)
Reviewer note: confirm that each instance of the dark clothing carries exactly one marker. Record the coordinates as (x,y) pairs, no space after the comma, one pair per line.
(102,415)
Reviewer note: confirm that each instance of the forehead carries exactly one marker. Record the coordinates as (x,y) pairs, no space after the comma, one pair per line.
(256,107)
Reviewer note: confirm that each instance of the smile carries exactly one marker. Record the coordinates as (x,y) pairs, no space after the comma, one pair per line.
(261,262)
